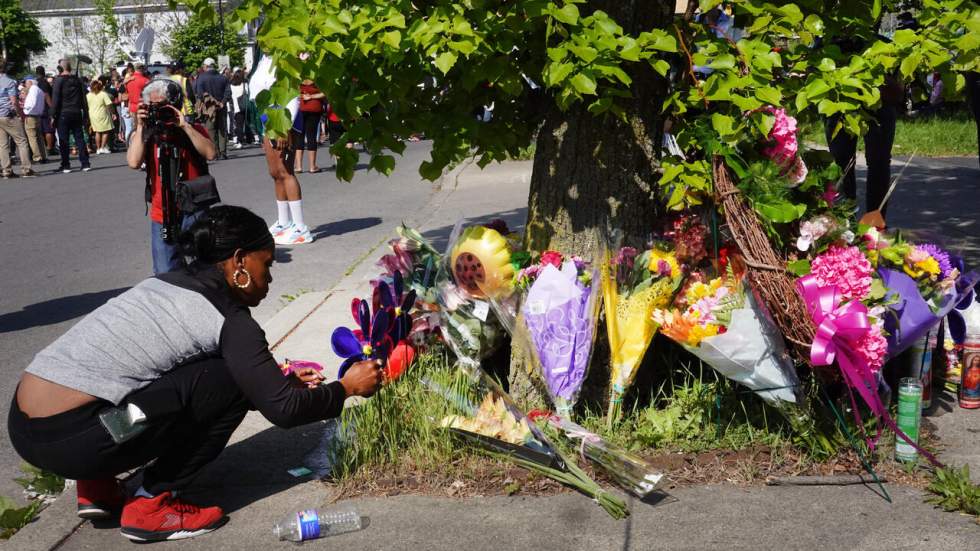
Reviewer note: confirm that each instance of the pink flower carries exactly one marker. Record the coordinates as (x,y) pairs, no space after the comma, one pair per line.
(846,268)
(874,347)
(812,230)
(783,133)
(830,194)
(551,257)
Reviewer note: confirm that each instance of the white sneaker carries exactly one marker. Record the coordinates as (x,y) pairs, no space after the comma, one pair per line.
(238,146)
(278,229)
(297,235)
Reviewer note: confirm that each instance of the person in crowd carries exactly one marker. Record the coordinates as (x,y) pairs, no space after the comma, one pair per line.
(203,363)
(12,126)
(195,149)
(311,111)
(35,107)
(134,83)
(335,129)
(69,111)
(100,116)
(289,228)
(239,105)
(127,123)
(44,82)
(213,92)
(176,73)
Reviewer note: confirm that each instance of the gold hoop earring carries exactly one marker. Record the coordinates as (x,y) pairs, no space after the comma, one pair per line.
(248,278)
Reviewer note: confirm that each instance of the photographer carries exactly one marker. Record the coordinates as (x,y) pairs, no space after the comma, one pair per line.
(159,122)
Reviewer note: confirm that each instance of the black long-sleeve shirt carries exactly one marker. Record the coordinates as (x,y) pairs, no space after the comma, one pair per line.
(214,84)
(68,96)
(172,319)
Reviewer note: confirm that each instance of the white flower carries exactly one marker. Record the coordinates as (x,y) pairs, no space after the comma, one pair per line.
(848,236)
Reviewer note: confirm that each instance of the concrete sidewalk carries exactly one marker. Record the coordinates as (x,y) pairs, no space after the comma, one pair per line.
(250,480)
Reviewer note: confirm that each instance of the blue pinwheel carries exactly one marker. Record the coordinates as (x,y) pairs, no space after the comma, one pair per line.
(398,305)
(370,341)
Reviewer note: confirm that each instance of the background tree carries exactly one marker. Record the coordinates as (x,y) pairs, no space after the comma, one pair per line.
(100,37)
(21,35)
(593,82)
(201,37)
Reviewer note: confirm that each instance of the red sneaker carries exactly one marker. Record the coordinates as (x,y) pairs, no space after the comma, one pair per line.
(165,517)
(97,499)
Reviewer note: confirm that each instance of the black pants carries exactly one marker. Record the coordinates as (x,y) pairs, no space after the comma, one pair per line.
(240,127)
(192,412)
(71,123)
(973,97)
(878,144)
(311,125)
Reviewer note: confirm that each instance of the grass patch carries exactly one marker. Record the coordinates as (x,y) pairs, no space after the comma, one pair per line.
(952,134)
(38,485)
(953,490)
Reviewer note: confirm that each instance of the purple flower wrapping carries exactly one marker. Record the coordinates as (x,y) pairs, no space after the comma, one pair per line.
(562,337)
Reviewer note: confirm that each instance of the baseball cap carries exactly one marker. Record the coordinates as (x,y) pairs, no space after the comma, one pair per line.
(209,62)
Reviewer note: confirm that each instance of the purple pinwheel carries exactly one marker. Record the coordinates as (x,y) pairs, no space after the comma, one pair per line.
(398,305)
(371,341)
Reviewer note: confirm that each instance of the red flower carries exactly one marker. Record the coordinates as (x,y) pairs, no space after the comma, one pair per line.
(551,257)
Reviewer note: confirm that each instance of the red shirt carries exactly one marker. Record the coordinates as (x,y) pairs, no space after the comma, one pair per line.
(188,171)
(310,105)
(135,90)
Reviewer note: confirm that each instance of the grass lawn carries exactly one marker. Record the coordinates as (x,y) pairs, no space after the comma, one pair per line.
(944,135)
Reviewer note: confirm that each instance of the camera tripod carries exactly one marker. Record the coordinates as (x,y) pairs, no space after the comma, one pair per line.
(168,168)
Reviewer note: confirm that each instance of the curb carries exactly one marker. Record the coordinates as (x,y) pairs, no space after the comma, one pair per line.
(53,525)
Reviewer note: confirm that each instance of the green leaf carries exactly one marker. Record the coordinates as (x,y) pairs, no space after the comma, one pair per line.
(384,164)
(567,14)
(430,171)
(445,61)
(780,212)
(770,95)
(583,84)
(661,67)
(723,124)
(557,73)
(878,290)
(392,38)
(799,268)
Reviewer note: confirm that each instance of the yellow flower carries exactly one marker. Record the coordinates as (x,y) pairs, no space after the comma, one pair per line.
(656,256)
(701,332)
(929,266)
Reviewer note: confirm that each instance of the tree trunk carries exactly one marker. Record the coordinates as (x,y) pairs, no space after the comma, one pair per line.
(595,173)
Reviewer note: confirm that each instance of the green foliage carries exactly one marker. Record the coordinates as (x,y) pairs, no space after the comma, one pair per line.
(424,67)
(954,491)
(200,37)
(36,482)
(399,425)
(20,34)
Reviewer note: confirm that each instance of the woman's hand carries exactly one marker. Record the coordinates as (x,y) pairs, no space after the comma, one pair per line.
(363,378)
(309,376)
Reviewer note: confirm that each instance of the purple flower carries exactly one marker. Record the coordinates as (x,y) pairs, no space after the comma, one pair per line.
(941,256)
(663,268)
(625,257)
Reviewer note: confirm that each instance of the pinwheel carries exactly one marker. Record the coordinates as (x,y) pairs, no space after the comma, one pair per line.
(371,341)
(399,306)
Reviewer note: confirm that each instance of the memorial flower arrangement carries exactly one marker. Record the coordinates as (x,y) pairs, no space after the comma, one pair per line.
(633,286)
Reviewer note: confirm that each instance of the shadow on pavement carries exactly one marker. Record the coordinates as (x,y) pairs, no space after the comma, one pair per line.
(283,255)
(341,227)
(55,310)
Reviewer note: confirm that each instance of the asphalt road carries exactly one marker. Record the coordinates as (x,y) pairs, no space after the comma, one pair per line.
(71,242)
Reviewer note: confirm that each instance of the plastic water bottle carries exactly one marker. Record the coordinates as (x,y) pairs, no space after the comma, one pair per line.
(312,524)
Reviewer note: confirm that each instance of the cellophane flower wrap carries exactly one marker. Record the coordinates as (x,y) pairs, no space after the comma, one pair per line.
(487,417)
(418,263)
(555,309)
(477,258)
(924,283)
(720,322)
(633,286)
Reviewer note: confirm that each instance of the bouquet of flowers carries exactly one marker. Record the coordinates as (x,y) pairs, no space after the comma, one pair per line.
(478,261)
(634,285)
(923,282)
(500,428)
(721,323)
(417,261)
(552,314)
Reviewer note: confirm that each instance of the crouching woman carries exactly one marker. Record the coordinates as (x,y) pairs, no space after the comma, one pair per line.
(165,372)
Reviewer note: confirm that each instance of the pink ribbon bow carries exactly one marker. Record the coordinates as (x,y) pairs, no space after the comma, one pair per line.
(839,328)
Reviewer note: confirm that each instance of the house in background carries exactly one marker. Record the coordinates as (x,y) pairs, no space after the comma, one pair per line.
(74,27)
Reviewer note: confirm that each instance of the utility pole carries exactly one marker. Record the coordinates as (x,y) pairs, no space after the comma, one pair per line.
(221,23)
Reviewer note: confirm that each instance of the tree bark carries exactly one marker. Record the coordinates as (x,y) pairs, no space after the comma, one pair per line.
(596,173)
